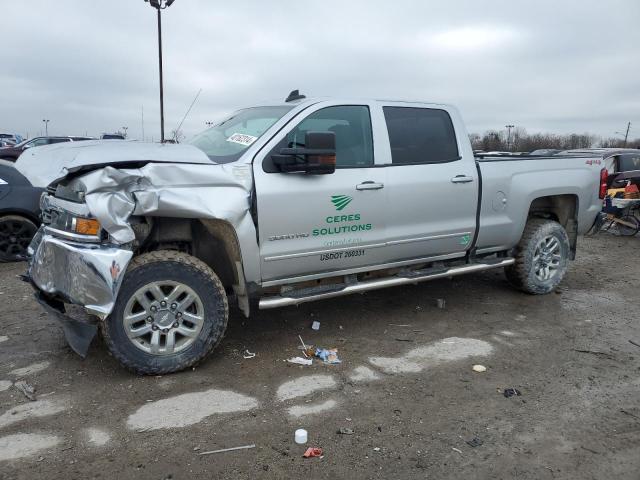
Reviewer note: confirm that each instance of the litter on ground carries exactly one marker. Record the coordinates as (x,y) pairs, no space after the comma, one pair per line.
(244,447)
(312,452)
(300,361)
(511,392)
(300,436)
(327,355)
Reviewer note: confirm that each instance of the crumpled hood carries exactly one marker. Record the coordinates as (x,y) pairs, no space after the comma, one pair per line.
(170,190)
(45,165)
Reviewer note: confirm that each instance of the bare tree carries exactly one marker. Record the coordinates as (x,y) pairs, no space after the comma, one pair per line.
(177,136)
(521,141)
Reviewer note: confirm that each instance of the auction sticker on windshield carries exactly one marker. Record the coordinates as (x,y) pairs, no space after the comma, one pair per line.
(242,139)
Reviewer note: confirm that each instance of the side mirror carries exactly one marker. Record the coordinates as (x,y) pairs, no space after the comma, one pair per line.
(318,157)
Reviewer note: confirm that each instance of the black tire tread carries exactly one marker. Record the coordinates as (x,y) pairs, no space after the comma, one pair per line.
(212,341)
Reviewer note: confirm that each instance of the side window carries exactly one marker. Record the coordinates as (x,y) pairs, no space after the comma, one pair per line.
(352,126)
(38,142)
(58,140)
(420,135)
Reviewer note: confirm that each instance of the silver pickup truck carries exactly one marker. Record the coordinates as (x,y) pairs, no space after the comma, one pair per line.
(287,203)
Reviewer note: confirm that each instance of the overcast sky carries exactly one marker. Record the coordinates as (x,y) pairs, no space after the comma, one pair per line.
(90,66)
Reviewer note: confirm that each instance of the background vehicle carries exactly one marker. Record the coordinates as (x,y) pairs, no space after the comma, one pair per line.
(113,136)
(545,151)
(11,138)
(19,212)
(12,153)
(290,203)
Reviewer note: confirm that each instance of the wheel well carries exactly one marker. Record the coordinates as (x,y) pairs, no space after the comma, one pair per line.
(561,208)
(212,241)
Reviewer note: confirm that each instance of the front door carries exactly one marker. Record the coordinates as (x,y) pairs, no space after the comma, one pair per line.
(322,224)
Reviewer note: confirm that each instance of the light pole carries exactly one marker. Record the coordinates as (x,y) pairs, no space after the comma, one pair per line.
(125,131)
(509,127)
(160,5)
(46,127)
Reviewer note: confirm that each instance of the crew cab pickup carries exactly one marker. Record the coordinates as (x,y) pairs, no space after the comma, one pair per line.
(286,203)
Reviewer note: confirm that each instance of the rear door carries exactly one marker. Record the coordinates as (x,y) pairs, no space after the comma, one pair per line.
(432,184)
(322,224)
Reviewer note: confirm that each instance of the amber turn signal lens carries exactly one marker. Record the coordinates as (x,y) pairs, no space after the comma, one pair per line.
(87,226)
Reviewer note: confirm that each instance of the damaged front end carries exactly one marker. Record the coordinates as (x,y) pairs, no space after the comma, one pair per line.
(70,263)
(95,221)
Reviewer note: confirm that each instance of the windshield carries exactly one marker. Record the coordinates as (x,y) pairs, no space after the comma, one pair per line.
(229,139)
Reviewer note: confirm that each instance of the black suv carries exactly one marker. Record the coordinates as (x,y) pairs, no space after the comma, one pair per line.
(12,153)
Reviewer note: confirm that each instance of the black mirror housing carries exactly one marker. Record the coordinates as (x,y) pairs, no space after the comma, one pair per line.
(318,157)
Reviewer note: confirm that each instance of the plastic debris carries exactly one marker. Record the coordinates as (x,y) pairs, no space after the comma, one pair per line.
(327,355)
(247,354)
(315,325)
(300,436)
(440,302)
(345,431)
(244,447)
(456,450)
(26,389)
(474,442)
(376,449)
(300,361)
(312,452)
(511,392)
(479,368)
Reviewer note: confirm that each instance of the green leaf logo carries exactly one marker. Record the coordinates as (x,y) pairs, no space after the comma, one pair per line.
(340,201)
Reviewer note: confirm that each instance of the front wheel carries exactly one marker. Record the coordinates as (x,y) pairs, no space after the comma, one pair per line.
(171,312)
(542,257)
(15,235)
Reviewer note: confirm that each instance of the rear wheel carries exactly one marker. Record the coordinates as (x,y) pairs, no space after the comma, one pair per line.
(171,312)
(16,233)
(542,257)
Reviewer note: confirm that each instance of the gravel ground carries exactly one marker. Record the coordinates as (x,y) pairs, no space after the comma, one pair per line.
(405,387)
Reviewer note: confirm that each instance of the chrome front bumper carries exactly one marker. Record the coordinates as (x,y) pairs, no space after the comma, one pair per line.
(83,274)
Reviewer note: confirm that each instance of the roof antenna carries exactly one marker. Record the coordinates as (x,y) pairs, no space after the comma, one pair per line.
(177,130)
(295,95)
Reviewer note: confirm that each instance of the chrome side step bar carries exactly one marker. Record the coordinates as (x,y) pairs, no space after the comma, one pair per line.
(395,281)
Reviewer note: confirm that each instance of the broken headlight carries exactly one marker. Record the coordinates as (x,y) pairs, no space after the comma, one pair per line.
(68,219)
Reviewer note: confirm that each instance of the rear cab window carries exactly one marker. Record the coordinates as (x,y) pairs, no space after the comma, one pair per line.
(420,135)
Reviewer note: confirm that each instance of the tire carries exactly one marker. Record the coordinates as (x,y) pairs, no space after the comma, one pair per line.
(539,237)
(134,331)
(16,233)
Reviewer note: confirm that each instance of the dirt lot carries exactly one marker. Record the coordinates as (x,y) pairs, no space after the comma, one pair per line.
(405,387)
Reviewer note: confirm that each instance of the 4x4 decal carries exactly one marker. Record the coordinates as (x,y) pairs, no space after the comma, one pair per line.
(340,201)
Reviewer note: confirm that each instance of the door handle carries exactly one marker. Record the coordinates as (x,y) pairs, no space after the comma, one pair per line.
(461,179)
(369,185)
